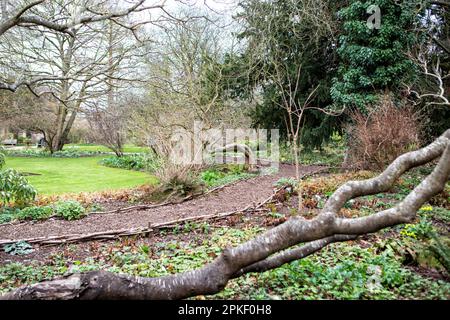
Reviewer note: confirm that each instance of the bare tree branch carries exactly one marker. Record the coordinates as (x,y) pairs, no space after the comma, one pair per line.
(21,17)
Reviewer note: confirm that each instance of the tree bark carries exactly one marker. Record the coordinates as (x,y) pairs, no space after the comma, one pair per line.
(270,249)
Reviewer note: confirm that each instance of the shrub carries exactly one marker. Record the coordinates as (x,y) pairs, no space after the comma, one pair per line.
(14,187)
(35,213)
(376,139)
(69,210)
(179,185)
(175,182)
(224,174)
(75,154)
(36,153)
(132,162)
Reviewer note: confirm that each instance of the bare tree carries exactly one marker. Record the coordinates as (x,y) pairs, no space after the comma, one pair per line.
(434,75)
(83,66)
(278,59)
(108,127)
(272,248)
(24,14)
(31,16)
(23,111)
(185,68)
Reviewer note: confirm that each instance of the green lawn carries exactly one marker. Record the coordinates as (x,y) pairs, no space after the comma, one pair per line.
(64,175)
(128,148)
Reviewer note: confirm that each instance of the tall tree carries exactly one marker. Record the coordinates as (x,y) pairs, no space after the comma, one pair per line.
(185,73)
(81,64)
(30,15)
(429,91)
(373,57)
(291,37)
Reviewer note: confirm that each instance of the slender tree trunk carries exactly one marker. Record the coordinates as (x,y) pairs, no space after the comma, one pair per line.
(297,175)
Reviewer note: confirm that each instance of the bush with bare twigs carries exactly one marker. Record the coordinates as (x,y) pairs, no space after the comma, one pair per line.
(377,138)
(176,183)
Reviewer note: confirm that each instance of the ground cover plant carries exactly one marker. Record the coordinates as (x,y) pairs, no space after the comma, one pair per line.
(371,268)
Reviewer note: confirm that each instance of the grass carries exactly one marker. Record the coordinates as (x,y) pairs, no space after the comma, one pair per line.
(128,148)
(73,175)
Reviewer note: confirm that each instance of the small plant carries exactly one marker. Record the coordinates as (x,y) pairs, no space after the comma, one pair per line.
(441,214)
(286,182)
(70,210)
(423,229)
(145,249)
(210,176)
(35,213)
(95,207)
(18,248)
(205,227)
(276,215)
(236,168)
(441,251)
(15,187)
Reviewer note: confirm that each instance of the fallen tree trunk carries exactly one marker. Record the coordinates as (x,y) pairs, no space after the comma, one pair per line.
(270,249)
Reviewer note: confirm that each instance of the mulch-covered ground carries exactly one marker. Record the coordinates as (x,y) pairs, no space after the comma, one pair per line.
(231,198)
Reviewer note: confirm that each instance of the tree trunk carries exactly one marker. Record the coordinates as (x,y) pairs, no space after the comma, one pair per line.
(297,176)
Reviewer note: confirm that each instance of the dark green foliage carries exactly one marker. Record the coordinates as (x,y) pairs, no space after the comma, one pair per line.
(306,44)
(436,120)
(373,60)
(132,162)
(8,214)
(221,175)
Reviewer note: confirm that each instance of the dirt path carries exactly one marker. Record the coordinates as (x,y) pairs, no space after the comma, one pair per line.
(234,197)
